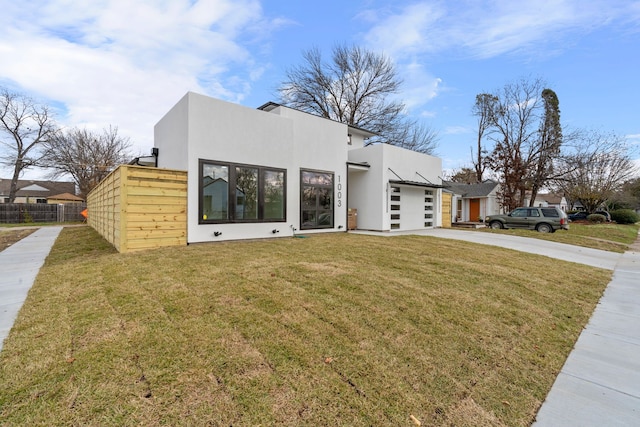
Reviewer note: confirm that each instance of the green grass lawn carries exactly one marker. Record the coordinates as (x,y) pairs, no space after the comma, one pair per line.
(607,237)
(336,329)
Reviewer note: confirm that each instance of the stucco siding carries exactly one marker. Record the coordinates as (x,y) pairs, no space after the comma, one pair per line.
(205,128)
(368,190)
(171,135)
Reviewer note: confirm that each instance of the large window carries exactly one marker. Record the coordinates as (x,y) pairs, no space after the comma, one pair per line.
(316,199)
(241,193)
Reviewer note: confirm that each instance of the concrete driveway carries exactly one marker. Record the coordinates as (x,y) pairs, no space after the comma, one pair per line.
(587,256)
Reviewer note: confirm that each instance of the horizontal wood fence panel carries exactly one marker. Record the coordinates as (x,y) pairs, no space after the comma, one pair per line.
(136,245)
(137,220)
(174,208)
(138,207)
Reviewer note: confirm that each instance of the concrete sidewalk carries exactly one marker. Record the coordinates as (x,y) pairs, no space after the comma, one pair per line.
(599,384)
(19,265)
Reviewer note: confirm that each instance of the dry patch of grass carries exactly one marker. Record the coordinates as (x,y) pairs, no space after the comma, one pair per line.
(9,237)
(331,330)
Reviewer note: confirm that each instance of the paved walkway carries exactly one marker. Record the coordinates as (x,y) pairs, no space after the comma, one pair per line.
(599,384)
(19,266)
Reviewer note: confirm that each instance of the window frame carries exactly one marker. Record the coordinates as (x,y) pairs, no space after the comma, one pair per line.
(317,210)
(231,195)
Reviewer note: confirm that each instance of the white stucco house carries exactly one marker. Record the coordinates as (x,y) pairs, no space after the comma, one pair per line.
(275,171)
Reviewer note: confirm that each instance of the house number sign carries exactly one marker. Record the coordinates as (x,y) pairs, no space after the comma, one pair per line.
(339,187)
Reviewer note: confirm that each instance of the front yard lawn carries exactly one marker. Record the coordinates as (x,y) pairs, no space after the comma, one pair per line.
(337,329)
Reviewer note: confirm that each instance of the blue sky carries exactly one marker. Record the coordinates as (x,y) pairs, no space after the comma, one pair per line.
(121,63)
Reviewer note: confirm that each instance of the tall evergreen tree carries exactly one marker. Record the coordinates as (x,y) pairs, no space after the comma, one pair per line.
(548,146)
(484,109)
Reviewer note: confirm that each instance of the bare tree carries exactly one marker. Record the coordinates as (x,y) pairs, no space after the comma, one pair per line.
(356,87)
(484,109)
(24,127)
(515,120)
(596,169)
(464,175)
(414,136)
(525,129)
(86,156)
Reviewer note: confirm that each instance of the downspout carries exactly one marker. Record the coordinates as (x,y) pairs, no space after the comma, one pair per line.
(346,183)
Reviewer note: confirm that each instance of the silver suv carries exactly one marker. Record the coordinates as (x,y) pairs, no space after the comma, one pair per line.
(544,220)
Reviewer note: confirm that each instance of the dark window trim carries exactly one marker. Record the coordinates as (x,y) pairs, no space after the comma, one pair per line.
(231,202)
(333,202)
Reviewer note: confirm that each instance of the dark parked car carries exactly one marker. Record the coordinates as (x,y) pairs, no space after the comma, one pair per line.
(583,215)
(544,220)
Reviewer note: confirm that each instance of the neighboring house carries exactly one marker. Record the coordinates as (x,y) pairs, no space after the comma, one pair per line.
(549,199)
(31,191)
(473,202)
(65,199)
(276,171)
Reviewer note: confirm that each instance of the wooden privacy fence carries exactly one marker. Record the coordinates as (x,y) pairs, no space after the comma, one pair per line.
(138,207)
(447,201)
(19,213)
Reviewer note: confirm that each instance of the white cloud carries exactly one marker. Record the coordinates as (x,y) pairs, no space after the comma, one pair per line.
(419,85)
(485,29)
(634,139)
(413,33)
(456,130)
(121,63)
(408,31)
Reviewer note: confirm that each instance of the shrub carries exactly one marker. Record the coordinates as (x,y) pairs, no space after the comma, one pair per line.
(26,217)
(625,216)
(597,218)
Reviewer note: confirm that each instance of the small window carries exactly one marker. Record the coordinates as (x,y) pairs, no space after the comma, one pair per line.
(246,193)
(274,207)
(395,226)
(395,216)
(395,198)
(316,194)
(550,213)
(395,207)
